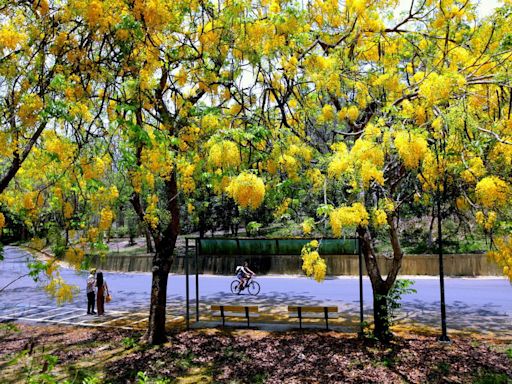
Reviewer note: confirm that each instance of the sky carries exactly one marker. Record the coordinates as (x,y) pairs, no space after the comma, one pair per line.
(486,6)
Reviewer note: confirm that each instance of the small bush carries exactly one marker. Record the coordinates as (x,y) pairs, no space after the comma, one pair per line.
(129,342)
(37,243)
(120,232)
(492,378)
(59,251)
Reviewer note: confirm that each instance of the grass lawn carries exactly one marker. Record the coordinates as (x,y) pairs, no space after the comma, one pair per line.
(51,354)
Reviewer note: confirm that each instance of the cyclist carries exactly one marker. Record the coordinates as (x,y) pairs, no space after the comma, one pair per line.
(243,273)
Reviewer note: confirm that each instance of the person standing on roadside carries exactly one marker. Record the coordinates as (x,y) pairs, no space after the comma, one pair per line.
(101,293)
(91,283)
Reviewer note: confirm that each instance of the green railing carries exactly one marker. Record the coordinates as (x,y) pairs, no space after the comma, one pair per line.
(227,246)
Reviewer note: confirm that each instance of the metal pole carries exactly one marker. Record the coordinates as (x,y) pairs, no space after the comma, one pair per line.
(361,313)
(197,285)
(444,335)
(187,315)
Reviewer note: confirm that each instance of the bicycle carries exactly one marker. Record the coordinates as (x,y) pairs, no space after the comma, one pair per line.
(252,286)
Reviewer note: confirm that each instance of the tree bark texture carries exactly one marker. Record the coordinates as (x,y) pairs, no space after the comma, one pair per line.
(162,262)
(156,328)
(149,243)
(19,158)
(380,286)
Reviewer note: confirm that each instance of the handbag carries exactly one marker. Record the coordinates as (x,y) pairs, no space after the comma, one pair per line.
(108,298)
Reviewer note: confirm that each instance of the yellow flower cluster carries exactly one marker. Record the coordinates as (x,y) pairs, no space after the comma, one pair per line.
(475,171)
(316,178)
(80,110)
(501,152)
(503,255)
(94,168)
(104,197)
(365,156)
(29,109)
(341,162)
(411,147)
(261,36)
(290,165)
(2,221)
(188,136)
(61,147)
(151,215)
(352,216)
(300,151)
(220,186)
(274,7)
(68,210)
(290,65)
(328,113)
(156,160)
(282,208)
(106,219)
(357,6)
(312,264)
(372,132)
(92,234)
(10,38)
(155,13)
(369,172)
(486,223)
(186,171)
(492,192)
(461,203)
(74,256)
(94,12)
(431,171)
(224,154)
(58,288)
(365,150)
(352,113)
(436,88)
(4,144)
(247,190)
(380,218)
(28,201)
(136,181)
(210,123)
(308,225)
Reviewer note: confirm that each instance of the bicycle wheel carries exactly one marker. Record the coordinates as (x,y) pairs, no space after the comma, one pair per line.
(234,286)
(254,288)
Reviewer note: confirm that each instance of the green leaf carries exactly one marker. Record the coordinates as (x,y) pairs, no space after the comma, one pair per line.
(324,209)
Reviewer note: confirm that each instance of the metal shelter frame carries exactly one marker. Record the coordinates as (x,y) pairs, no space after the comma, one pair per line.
(197,253)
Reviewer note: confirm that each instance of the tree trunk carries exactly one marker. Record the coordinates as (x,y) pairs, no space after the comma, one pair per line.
(162,263)
(19,158)
(380,286)
(149,243)
(381,314)
(156,328)
(430,240)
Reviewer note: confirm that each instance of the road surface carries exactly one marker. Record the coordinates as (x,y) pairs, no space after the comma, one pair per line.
(482,304)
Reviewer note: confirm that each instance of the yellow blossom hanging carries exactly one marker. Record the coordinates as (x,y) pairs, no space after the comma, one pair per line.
(312,264)
(247,190)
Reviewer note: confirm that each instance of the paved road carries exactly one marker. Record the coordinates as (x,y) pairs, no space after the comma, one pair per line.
(483,304)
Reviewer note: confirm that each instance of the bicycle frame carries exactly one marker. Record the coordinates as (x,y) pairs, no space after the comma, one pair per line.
(251,278)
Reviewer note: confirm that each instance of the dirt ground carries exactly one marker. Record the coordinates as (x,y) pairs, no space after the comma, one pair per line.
(56,354)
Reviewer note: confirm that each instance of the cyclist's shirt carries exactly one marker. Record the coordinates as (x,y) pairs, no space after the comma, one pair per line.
(241,272)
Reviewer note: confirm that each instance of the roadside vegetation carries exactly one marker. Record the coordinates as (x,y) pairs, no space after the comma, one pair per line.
(47,354)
